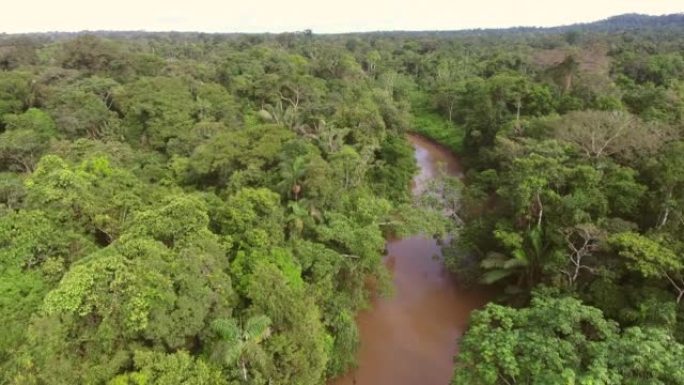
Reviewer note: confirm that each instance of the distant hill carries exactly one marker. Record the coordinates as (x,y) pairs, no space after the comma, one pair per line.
(625,22)
(632,21)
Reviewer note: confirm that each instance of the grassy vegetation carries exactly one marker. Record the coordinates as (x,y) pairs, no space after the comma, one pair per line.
(433,126)
(429,123)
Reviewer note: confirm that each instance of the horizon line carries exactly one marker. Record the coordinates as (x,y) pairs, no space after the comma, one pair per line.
(370,31)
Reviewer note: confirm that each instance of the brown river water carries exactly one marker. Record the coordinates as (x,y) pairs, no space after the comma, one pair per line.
(410,338)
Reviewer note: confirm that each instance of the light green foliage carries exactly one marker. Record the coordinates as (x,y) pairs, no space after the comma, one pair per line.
(33,119)
(29,239)
(34,254)
(153,368)
(349,167)
(246,262)
(553,341)
(357,228)
(651,259)
(646,256)
(95,195)
(253,217)
(433,126)
(176,223)
(649,355)
(563,341)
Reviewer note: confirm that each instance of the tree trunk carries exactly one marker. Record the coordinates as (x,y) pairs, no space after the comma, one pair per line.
(666,213)
(518,105)
(244,370)
(541,210)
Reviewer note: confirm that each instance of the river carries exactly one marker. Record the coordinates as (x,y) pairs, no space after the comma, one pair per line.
(410,338)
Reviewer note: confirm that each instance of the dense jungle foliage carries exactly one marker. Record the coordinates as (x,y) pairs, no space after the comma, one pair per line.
(212,209)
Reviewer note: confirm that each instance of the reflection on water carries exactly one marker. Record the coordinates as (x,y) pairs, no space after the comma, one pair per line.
(410,338)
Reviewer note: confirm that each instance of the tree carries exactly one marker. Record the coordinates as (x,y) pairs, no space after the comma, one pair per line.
(247,262)
(393,169)
(12,191)
(155,110)
(349,167)
(215,103)
(26,138)
(15,92)
(667,172)
(21,149)
(241,345)
(583,241)
(599,134)
(253,218)
(86,110)
(298,342)
(93,195)
(90,53)
(19,50)
(555,340)
(647,355)
(35,252)
(525,260)
(240,158)
(651,259)
(158,286)
(561,340)
(291,173)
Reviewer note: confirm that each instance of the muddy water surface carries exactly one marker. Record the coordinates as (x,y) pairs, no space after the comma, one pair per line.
(410,337)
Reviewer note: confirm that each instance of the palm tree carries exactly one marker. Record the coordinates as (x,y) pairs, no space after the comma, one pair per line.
(296,217)
(523,261)
(291,173)
(242,346)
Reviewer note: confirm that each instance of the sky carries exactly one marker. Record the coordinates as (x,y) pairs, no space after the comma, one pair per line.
(321,16)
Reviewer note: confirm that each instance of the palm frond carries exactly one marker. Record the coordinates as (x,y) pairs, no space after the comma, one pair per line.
(493,260)
(493,276)
(227,329)
(257,328)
